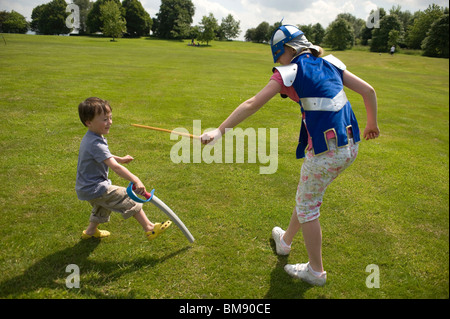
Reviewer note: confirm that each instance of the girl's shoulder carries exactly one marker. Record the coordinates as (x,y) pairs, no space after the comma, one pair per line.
(335,61)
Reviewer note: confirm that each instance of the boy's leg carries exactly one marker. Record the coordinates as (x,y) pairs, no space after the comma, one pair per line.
(116,199)
(143,220)
(91,229)
(151,230)
(99,215)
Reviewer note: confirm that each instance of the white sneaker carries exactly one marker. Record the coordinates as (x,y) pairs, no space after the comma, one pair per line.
(281,247)
(303,272)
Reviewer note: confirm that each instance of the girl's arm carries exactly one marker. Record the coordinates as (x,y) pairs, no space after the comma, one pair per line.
(370,101)
(244,110)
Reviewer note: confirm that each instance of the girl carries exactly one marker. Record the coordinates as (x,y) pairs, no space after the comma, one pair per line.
(329,134)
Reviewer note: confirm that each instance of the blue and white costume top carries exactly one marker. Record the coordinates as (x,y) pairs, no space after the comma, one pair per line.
(318,83)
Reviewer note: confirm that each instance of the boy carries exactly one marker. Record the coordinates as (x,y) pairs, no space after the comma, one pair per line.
(93,185)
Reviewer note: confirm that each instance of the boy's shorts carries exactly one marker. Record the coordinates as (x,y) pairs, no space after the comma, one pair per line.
(317,173)
(114,199)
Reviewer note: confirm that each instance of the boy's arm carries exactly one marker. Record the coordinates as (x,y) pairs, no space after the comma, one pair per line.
(370,101)
(123,160)
(126,174)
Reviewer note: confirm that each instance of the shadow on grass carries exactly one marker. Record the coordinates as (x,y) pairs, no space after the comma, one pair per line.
(282,286)
(50,273)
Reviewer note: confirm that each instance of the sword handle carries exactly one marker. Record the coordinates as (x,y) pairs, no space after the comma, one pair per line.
(146,195)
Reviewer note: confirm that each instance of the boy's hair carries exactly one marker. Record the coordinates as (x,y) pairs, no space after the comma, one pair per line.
(91,107)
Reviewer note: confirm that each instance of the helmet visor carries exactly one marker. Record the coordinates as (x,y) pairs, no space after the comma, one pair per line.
(280,37)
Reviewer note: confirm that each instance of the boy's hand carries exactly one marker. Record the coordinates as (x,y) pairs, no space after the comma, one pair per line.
(140,188)
(125,159)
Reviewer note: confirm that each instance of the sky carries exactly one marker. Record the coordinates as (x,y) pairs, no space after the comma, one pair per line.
(251,13)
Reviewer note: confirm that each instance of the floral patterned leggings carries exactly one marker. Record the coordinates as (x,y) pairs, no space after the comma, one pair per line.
(317,173)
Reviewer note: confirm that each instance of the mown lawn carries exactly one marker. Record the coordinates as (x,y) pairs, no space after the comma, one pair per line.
(391,208)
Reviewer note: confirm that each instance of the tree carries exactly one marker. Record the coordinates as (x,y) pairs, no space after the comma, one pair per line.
(230,27)
(12,22)
(50,18)
(36,15)
(138,20)
(262,33)
(174,19)
(406,18)
(113,23)
(85,6)
(94,22)
(394,38)
(339,35)
(208,26)
(436,44)
(250,34)
(318,34)
(195,32)
(307,30)
(422,24)
(357,24)
(366,32)
(380,36)
(314,33)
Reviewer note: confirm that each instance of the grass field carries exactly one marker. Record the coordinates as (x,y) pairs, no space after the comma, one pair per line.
(391,208)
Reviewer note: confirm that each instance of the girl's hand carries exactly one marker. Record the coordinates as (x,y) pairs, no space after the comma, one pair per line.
(211,137)
(371,132)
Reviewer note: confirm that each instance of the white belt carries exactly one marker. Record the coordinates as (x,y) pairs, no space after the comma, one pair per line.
(325,104)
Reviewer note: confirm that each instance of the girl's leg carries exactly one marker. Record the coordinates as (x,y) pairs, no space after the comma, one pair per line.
(316,174)
(312,235)
(293,228)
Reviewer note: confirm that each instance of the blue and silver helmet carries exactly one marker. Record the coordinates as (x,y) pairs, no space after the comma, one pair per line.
(280,37)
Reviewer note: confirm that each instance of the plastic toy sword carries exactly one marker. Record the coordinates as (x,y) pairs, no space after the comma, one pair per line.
(150,197)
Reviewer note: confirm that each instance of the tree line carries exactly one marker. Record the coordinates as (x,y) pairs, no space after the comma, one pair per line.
(129,18)
(426,30)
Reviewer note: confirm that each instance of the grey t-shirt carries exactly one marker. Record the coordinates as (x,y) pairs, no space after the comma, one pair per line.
(92,173)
